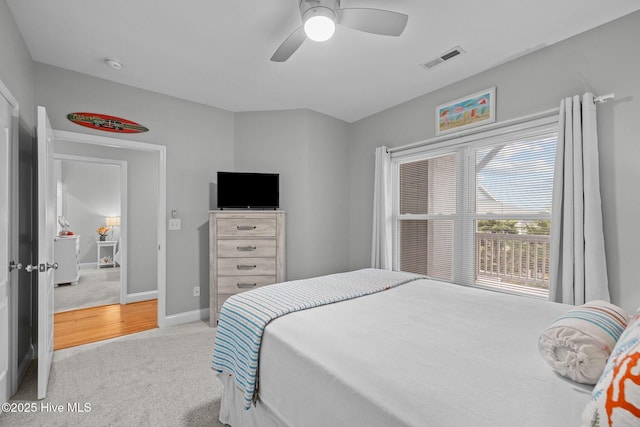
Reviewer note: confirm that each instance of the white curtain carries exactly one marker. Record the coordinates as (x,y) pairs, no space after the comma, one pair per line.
(578,264)
(381,245)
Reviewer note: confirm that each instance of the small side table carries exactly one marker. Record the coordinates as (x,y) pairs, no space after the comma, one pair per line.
(110,257)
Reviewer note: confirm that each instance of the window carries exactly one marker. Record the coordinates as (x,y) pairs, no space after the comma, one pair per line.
(428,207)
(477,211)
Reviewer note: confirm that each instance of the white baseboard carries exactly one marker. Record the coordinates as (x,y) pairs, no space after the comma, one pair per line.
(186,317)
(141,296)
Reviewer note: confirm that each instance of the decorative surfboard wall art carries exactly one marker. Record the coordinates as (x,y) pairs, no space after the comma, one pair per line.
(106,123)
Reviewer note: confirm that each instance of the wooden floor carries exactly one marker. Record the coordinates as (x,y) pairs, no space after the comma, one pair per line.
(76,327)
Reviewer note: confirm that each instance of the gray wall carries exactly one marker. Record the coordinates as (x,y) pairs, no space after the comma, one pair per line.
(199,141)
(16,66)
(310,152)
(602,60)
(327,197)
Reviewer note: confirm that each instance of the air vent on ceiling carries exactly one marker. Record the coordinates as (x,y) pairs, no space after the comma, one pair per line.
(451,53)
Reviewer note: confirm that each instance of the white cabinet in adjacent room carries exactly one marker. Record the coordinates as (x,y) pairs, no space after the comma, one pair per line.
(66,251)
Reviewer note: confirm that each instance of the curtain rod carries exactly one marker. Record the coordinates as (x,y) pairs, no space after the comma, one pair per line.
(604,98)
(539,115)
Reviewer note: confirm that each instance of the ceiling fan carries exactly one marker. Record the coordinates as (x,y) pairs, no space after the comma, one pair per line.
(320,17)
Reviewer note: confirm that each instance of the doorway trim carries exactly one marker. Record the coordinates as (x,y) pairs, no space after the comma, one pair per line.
(13,243)
(122,164)
(161,150)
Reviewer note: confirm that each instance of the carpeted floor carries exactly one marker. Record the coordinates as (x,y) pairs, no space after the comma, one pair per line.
(160,377)
(95,287)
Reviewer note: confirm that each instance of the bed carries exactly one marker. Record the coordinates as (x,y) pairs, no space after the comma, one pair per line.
(424,353)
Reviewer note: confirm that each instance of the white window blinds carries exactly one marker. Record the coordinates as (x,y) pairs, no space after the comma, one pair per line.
(478,212)
(428,190)
(515,178)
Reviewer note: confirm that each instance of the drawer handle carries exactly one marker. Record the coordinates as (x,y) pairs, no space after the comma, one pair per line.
(246,248)
(246,227)
(246,267)
(246,285)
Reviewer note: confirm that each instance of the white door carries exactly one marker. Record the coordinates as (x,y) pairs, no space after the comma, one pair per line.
(46,234)
(5,168)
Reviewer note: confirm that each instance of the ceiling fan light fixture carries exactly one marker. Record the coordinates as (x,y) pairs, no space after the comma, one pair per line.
(320,17)
(319,23)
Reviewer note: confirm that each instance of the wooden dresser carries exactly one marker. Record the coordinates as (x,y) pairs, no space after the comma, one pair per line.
(246,251)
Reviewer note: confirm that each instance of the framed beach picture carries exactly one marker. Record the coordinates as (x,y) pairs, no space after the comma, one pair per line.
(472,110)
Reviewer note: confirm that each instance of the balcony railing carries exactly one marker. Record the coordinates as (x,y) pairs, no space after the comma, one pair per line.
(513,260)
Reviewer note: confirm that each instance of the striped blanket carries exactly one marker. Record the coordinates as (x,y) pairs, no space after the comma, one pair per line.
(244,316)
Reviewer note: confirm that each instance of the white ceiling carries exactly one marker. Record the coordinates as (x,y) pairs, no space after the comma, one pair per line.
(218,52)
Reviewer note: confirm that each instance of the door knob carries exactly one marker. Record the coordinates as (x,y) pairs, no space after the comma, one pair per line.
(14,266)
(43,267)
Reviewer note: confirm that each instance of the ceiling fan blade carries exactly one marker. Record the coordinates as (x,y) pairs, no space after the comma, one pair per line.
(290,45)
(376,21)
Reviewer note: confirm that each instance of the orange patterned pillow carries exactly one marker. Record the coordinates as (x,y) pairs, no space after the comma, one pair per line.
(615,400)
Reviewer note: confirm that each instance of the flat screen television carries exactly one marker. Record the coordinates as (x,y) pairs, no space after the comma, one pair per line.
(247,190)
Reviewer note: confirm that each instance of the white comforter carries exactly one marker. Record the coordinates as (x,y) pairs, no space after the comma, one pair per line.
(425,353)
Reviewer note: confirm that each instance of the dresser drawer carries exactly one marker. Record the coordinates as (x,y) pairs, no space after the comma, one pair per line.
(246,267)
(230,285)
(246,248)
(239,227)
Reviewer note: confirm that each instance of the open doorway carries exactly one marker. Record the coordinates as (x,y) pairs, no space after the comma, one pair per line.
(89,242)
(140,236)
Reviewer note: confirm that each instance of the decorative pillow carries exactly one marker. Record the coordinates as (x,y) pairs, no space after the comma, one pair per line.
(615,400)
(578,344)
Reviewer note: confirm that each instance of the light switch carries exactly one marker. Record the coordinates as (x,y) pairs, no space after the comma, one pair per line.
(175,224)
